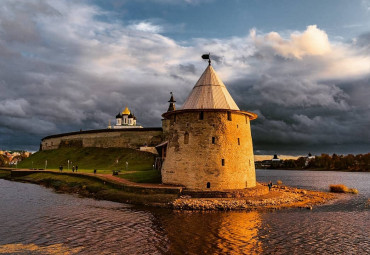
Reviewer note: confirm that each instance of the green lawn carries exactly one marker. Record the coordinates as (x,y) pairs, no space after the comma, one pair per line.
(103,159)
(4,174)
(87,187)
(151,176)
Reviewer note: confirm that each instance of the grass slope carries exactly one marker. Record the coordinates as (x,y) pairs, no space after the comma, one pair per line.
(91,158)
(94,188)
(152,176)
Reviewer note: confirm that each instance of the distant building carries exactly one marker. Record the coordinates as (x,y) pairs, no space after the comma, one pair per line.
(308,159)
(125,119)
(275,158)
(276,162)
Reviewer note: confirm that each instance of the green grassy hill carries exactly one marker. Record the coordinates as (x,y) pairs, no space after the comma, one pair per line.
(91,158)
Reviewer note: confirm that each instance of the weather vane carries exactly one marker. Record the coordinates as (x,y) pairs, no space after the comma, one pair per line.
(207,56)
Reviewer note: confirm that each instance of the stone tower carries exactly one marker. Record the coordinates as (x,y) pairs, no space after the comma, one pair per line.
(209,140)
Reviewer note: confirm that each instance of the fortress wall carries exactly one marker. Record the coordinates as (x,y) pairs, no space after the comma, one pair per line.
(197,161)
(127,138)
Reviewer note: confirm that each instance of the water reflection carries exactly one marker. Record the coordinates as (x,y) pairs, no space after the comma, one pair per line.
(35,220)
(212,232)
(35,249)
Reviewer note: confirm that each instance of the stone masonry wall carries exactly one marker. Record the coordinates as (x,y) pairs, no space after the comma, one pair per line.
(105,139)
(193,160)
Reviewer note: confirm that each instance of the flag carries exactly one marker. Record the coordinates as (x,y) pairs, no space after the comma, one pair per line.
(205,56)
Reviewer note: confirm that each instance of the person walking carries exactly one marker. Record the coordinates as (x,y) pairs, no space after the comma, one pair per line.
(73,168)
(269,185)
(76,168)
(60,168)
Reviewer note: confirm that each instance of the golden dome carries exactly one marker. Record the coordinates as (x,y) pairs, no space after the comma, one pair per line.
(126,111)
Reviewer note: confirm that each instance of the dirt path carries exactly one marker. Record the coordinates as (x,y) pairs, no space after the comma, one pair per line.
(129,183)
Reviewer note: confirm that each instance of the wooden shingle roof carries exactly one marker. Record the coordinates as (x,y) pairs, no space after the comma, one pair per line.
(210,93)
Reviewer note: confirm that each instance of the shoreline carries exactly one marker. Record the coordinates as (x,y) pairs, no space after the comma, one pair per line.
(314,170)
(280,196)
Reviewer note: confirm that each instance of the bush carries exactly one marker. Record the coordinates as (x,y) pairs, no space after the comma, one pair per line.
(353,191)
(279,182)
(341,188)
(338,188)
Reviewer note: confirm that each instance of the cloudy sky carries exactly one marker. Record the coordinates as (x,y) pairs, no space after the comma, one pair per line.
(302,66)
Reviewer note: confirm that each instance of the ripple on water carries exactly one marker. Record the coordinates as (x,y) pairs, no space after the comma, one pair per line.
(37,218)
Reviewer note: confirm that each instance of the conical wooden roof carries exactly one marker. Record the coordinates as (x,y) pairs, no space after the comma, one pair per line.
(210,93)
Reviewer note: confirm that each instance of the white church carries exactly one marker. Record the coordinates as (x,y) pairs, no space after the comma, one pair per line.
(125,119)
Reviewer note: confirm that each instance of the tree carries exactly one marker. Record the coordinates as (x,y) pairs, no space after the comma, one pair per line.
(3,160)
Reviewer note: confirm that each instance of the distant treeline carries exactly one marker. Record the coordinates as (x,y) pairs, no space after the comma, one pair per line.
(356,163)
(4,161)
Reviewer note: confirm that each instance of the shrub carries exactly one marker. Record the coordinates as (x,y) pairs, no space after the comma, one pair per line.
(341,188)
(338,188)
(353,191)
(279,182)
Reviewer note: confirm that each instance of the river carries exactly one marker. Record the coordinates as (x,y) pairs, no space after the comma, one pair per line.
(36,220)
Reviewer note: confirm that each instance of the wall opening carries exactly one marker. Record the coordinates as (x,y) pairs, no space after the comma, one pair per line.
(186,138)
(213,140)
(208,185)
(246,119)
(238,141)
(228,115)
(222,162)
(201,115)
(237,126)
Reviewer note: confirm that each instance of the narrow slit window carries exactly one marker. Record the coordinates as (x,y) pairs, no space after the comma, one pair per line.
(228,115)
(246,119)
(223,162)
(186,138)
(238,141)
(213,140)
(201,115)
(208,185)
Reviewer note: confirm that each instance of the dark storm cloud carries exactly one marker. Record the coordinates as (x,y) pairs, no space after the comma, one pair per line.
(189,68)
(62,69)
(299,107)
(363,41)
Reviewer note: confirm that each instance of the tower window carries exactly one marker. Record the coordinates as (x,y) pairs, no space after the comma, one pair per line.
(237,126)
(201,115)
(213,140)
(238,141)
(246,119)
(228,115)
(208,185)
(186,138)
(222,162)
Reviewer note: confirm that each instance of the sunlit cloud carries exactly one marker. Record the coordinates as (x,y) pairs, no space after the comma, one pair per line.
(146,26)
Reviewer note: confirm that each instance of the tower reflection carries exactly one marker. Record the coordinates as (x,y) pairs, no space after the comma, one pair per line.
(212,232)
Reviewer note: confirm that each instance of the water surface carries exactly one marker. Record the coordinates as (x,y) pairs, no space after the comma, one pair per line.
(36,220)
